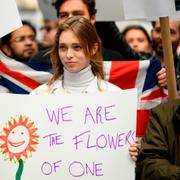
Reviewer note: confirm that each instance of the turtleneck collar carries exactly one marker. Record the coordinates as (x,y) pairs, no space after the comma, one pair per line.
(77,82)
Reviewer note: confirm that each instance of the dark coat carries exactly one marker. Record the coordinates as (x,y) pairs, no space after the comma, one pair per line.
(159,157)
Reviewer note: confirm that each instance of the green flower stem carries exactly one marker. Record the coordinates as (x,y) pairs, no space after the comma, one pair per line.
(20,170)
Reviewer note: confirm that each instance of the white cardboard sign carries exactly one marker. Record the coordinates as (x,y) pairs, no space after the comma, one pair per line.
(80,136)
(150,9)
(9,17)
(109,10)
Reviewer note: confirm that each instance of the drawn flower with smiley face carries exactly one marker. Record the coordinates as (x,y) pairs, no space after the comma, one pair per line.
(18,140)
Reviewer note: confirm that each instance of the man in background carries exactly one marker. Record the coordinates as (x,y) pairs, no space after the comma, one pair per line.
(48,32)
(69,8)
(175,39)
(20,44)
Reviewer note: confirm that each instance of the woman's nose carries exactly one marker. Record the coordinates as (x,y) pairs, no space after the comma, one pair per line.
(69,53)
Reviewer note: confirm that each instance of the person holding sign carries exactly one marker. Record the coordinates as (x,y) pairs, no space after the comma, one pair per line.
(77,60)
(159,156)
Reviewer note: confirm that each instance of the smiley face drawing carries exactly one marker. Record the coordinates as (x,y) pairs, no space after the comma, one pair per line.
(19,138)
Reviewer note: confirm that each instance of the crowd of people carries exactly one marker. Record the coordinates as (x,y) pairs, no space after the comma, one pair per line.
(75,47)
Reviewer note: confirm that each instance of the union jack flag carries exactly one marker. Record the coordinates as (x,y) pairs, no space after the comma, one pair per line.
(22,78)
(140,75)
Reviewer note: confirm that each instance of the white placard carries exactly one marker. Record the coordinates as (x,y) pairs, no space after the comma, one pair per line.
(149,9)
(9,17)
(47,9)
(68,136)
(109,10)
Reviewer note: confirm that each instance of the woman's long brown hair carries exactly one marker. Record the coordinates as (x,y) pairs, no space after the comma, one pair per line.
(89,39)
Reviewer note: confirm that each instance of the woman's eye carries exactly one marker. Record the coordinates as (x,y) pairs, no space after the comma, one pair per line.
(62,47)
(77,47)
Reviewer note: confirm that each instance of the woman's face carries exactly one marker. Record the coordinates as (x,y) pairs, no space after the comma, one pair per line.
(71,52)
(138,41)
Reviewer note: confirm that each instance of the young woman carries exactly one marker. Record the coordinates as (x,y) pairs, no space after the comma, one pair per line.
(77,61)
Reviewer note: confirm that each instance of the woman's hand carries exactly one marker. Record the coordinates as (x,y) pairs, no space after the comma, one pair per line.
(134,150)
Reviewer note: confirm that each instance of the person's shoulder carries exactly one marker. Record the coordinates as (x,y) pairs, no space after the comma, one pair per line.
(165,112)
(55,88)
(41,57)
(42,89)
(171,105)
(110,55)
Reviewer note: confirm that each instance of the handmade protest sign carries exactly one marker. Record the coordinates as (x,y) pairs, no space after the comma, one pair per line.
(152,10)
(136,9)
(80,136)
(9,17)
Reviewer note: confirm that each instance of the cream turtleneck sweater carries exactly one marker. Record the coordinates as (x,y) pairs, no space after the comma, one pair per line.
(77,82)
